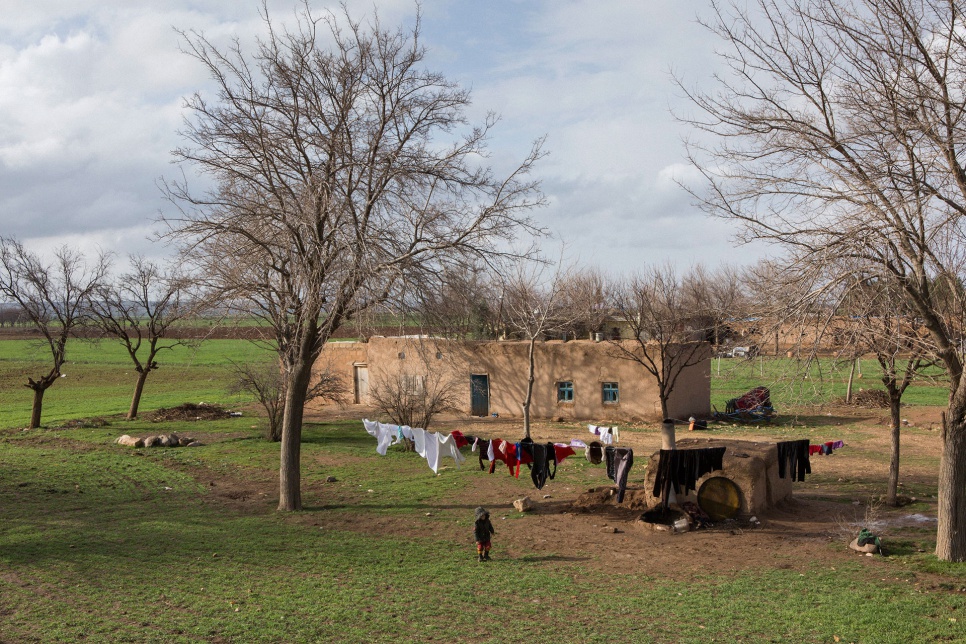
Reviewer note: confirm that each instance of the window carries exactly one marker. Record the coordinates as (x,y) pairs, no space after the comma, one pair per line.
(609,392)
(565,391)
(412,385)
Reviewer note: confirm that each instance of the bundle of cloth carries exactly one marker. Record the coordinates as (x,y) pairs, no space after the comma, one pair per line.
(825,449)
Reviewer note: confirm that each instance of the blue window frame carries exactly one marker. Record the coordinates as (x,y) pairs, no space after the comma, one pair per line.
(610,392)
(565,391)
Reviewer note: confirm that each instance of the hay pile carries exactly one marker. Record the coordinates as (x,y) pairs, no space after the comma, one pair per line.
(869,399)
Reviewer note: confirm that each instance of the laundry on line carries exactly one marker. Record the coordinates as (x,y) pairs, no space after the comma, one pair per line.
(608,435)
(541,459)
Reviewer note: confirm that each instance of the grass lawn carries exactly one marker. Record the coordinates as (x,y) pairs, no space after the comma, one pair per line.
(794,384)
(101,543)
(99,378)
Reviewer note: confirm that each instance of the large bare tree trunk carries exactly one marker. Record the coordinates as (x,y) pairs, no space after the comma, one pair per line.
(289,472)
(951,534)
(895,424)
(132,413)
(38,407)
(296,391)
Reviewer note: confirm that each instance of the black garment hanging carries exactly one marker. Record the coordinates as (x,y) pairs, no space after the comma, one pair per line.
(623,459)
(543,455)
(793,456)
(609,460)
(594,453)
(484,447)
(682,468)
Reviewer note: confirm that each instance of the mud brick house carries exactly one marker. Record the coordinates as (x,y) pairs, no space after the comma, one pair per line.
(575,380)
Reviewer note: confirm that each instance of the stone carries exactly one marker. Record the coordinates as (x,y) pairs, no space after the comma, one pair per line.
(152,441)
(130,441)
(330,479)
(867,549)
(194,444)
(523,505)
(184,441)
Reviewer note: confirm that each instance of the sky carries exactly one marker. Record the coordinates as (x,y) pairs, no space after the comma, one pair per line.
(92,93)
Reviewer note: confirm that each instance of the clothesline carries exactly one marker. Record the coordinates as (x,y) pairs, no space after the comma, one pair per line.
(676,468)
(541,459)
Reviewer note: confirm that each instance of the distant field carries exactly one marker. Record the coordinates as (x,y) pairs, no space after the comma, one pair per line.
(99,378)
(825,381)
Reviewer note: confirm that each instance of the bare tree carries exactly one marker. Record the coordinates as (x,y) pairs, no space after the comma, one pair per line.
(866,314)
(714,298)
(584,303)
(12,314)
(883,323)
(839,130)
(344,174)
(533,308)
(424,390)
(463,304)
(53,296)
(140,308)
(265,381)
(667,337)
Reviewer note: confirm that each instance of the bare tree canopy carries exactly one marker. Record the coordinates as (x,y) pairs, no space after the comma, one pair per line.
(839,132)
(139,308)
(667,334)
(533,307)
(53,296)
(344,172)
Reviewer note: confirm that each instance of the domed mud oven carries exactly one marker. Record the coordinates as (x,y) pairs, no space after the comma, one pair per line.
(751,466)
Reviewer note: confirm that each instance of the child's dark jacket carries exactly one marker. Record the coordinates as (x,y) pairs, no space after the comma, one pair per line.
(482,529)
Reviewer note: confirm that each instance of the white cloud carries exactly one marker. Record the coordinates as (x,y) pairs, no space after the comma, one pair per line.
(91,94)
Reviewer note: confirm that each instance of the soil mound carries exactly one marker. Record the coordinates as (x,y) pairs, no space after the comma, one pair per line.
(84,423)
(189,411)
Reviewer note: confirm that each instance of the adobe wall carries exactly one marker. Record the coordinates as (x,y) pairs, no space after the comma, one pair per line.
(586,363)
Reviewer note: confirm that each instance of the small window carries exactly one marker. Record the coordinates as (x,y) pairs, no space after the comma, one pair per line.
(610,393)
(565,391)
(412,385)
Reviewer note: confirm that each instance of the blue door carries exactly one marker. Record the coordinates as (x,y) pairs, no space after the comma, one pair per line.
(479,395)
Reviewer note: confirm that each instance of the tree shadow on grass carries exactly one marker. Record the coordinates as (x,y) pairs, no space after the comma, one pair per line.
(429,506)
(554,558)
(818,420)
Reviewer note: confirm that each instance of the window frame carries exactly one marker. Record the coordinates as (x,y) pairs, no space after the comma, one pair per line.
(610,393)
(561,389)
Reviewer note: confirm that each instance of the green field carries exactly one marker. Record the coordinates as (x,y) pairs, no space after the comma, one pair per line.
(99,378)
(100,543)
(796,384)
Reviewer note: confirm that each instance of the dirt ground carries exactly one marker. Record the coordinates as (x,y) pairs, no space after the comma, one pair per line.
(568,524)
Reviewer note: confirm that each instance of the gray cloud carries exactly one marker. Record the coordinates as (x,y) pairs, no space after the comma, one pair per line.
(91,94)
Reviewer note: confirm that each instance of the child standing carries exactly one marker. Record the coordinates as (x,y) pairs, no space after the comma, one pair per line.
(482,530)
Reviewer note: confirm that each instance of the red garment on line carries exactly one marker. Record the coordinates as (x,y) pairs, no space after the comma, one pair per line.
(507,453)
(563,451)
